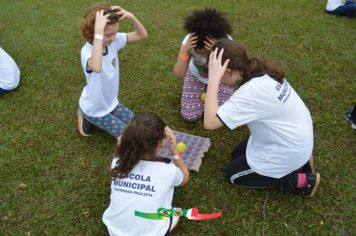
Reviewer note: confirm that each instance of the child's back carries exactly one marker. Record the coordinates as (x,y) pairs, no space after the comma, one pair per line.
(141,181)
(149,186)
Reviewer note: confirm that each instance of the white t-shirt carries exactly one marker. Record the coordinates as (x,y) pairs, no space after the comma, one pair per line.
(9,72)
(333,4)
(150,186)
(99,96)
(281,127)
(198,64)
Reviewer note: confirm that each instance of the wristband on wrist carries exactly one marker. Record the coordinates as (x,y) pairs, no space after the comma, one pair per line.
(184,57)
(177,156)
(99,36)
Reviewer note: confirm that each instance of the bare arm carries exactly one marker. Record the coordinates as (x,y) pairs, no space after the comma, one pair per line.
(178,162)
(183,167)
(94,63)
(216,72)
(140,31)
(182,64)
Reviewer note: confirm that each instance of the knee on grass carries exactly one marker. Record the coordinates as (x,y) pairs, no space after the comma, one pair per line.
(191,118)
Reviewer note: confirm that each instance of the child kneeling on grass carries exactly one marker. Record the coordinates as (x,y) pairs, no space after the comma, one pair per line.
(98,103)
(277,153)
(204,27)
(141,181)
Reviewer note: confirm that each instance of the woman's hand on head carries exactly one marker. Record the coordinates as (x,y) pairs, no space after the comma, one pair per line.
(101,21)
(171,139)
(191,43)
(216,68)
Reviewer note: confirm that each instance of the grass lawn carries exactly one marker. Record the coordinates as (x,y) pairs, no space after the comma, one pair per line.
(55,182)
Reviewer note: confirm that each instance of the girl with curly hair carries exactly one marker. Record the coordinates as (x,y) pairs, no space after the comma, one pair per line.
(98,103)
(204,27)
(141,181)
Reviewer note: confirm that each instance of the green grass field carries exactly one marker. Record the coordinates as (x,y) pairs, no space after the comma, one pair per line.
(55,182)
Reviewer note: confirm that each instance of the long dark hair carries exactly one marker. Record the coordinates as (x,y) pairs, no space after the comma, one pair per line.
(139,141)
(248,66)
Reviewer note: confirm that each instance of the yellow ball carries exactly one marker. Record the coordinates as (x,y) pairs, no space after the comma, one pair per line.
(202,97)
(181,147)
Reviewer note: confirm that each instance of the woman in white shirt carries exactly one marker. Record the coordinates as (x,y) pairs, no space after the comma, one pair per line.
(277,153)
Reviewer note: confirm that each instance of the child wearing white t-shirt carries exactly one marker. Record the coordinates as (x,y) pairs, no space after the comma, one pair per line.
(98,103)
(141,181)
(9,73)
(203,27)
(277,153)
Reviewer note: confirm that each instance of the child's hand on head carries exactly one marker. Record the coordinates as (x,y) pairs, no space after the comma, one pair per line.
(100,21)
(216,69)
(122,13)
(209,42)
(191,43)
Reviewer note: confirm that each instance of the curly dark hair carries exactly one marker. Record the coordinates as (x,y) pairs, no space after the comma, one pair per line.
(207,22)
(139,141)
(88,22)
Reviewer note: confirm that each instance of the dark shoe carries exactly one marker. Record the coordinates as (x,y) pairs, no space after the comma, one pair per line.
(84,127)
(313,181)
(351,121)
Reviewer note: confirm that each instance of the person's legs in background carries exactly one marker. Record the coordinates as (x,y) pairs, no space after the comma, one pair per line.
(349,2)
(3,91)
(351,117)
(347,9)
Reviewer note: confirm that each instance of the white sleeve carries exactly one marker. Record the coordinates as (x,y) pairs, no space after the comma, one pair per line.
(85,55)
(238,110)
(121,40)
(178,176)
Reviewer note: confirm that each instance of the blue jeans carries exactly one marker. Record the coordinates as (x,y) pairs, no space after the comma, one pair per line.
(3,91)
(347,9)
